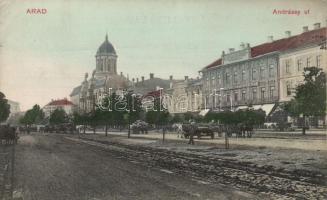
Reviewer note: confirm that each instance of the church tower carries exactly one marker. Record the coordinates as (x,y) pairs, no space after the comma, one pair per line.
(106,60)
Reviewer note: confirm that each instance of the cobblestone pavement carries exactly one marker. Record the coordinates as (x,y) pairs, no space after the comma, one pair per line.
(7,157)
(53,167)
(277,183)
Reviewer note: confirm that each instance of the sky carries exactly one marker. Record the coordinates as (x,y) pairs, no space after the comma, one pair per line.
(44,56)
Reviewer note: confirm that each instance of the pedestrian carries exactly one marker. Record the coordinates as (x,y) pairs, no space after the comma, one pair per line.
(192,132)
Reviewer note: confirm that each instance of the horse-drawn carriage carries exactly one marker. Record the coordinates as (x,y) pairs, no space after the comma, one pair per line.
(200,130)
(240,130)
(139,126)
(8,135)
(60,128)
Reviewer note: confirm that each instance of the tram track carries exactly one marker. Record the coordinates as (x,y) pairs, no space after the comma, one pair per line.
(245,176)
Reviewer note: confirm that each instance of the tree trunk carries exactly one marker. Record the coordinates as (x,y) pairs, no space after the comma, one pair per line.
(106,130)
(304,126)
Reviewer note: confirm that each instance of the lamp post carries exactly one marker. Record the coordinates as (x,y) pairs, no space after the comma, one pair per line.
(231,102)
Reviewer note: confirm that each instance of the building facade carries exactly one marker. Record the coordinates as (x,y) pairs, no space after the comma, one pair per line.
(63,104)
(104,80)
(263,75)
(240,79)
(293,61)
(184,95)
(14,107)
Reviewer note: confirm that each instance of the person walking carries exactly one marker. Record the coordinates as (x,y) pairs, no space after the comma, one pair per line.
(192,132)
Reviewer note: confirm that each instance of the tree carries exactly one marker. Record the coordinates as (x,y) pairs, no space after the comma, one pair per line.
(134,109)
(58,116)
(4,108)
(157,116)
(33,116)
(310,97)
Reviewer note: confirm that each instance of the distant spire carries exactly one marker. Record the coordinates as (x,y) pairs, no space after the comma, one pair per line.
(106,36)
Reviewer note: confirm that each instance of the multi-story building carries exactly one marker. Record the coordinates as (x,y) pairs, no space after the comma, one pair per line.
(184,95)
(14,107)
(241,78)
(307,51)
(263,75)
(63,104)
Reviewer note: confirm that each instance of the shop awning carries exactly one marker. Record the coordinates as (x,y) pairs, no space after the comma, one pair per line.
(241,108)
(204,112)
(267,108)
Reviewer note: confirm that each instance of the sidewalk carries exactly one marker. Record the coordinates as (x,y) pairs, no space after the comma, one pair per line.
(279,153)
(306,143)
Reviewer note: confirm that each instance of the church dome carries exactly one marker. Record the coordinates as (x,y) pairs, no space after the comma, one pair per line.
(106,47)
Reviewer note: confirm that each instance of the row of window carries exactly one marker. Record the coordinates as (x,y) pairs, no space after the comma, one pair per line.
(309,62)
(227,77)
(263,94)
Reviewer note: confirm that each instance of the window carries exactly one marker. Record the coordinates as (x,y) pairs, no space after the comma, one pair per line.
(271,91)
(228,97)
(235,96)
(254,74)
(299,65)
(271,70)
(254,94)
(243,75)
(309,62)
(243,95)
(227,78)
(288,66)
(318,60)
(263,91)
(288,89)
(262,72)
(212,75)
(218,78)
(235,77)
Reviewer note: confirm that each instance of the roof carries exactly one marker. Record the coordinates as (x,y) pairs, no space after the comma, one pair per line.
(76,91)
(146,86)
(106,47)
(305,38)
(60,102)
(155,94)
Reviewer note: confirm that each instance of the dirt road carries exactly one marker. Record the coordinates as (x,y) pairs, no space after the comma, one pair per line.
(50,167)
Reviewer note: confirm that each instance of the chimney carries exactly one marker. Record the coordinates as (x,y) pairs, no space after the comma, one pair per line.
(142,78)
(151,75)
(242,46)
(305,29)
(171,77)
(121,73)
(231,50)
(186,78)
(247,45)
(270,38)
(316,26)
(288,34)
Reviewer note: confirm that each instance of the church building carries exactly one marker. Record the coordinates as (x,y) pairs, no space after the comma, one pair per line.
(103,77)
